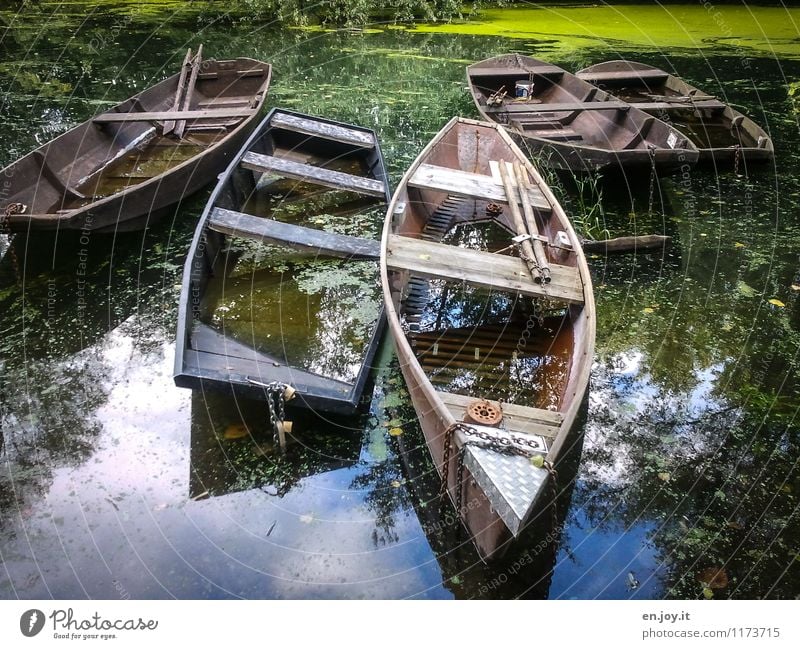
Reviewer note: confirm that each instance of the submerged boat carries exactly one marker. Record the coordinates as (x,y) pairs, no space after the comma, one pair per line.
(489,301)
(142,155)
(571,123)
(280,289)
(720,132)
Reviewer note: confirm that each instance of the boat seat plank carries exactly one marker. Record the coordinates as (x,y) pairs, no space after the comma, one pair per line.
(464,183)
(324,130)
(521,419)
(211,353)
(623,76)
(318,241)
(530,107)
(521,73)
(559,134)
(680,105)
(312,174)
(154,116)
(481,269)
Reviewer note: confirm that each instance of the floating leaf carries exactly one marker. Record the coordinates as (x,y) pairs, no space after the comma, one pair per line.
(738,245)
(735,525)
(395,483)
(455,580)
(648,309)
(396,431)
(664,476)
(708,593)
(727,326)
(715,578)
(776,302)
(744,289)
(795,287)
(787,488)
(235,431)
(537,461)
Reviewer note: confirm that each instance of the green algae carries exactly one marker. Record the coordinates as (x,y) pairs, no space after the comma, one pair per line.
(753,30)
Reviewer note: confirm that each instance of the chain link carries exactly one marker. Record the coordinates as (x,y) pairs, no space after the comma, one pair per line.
(5,228)
(653,174)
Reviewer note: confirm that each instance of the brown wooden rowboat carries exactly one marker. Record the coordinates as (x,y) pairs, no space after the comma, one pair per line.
(576,125)
(720,132)
(147,153)
(497,362)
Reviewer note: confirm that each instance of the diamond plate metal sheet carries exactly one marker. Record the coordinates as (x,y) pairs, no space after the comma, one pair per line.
(511,483)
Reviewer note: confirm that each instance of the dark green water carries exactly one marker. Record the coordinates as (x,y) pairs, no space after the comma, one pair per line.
(113,482)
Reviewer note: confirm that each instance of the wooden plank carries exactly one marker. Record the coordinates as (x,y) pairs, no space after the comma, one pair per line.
(482,269)
(180,124)
(154,116)
(464,183)
(520,72)
(326,243)
(324,130)
(649,106)
(557,134)
(555,107)
(316,175)
(522,419)
(622,75)
(169,125)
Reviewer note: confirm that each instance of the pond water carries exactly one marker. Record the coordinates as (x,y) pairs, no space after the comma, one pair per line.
(114,482)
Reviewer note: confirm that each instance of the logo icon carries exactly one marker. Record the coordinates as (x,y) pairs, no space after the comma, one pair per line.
(31,622)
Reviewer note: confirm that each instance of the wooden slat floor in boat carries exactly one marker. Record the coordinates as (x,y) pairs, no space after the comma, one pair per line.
(317,241)
(464,183)
(522,419)
(482,269)
(311,174)
(556,107)
(324,130)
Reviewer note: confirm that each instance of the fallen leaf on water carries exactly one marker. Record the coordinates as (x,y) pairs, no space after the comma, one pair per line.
(795,287)
(787,488)
(306,518)
(537,461)
(744,289)
(395,483)
(735,525)
(648,309)
(738,245)
(776,302)
(235,431)
(715,578)
(727,327)
(395,432)
(664,476)
(708,593)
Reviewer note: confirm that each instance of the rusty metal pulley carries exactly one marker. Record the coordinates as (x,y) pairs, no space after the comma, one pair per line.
(493,209)
(484,412)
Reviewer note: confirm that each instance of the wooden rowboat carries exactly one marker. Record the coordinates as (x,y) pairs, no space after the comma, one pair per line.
(489,301)
(576,125)
(271,299)
(721,133)
(147,153)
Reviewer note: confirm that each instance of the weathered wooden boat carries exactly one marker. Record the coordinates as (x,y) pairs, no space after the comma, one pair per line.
(573,124)
(489,301)
(269,298)
(720,132)
(147,153)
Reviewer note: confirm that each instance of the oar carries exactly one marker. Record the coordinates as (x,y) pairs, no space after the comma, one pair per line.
(527,250)
(187,99)
(169,126)
(530,222)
